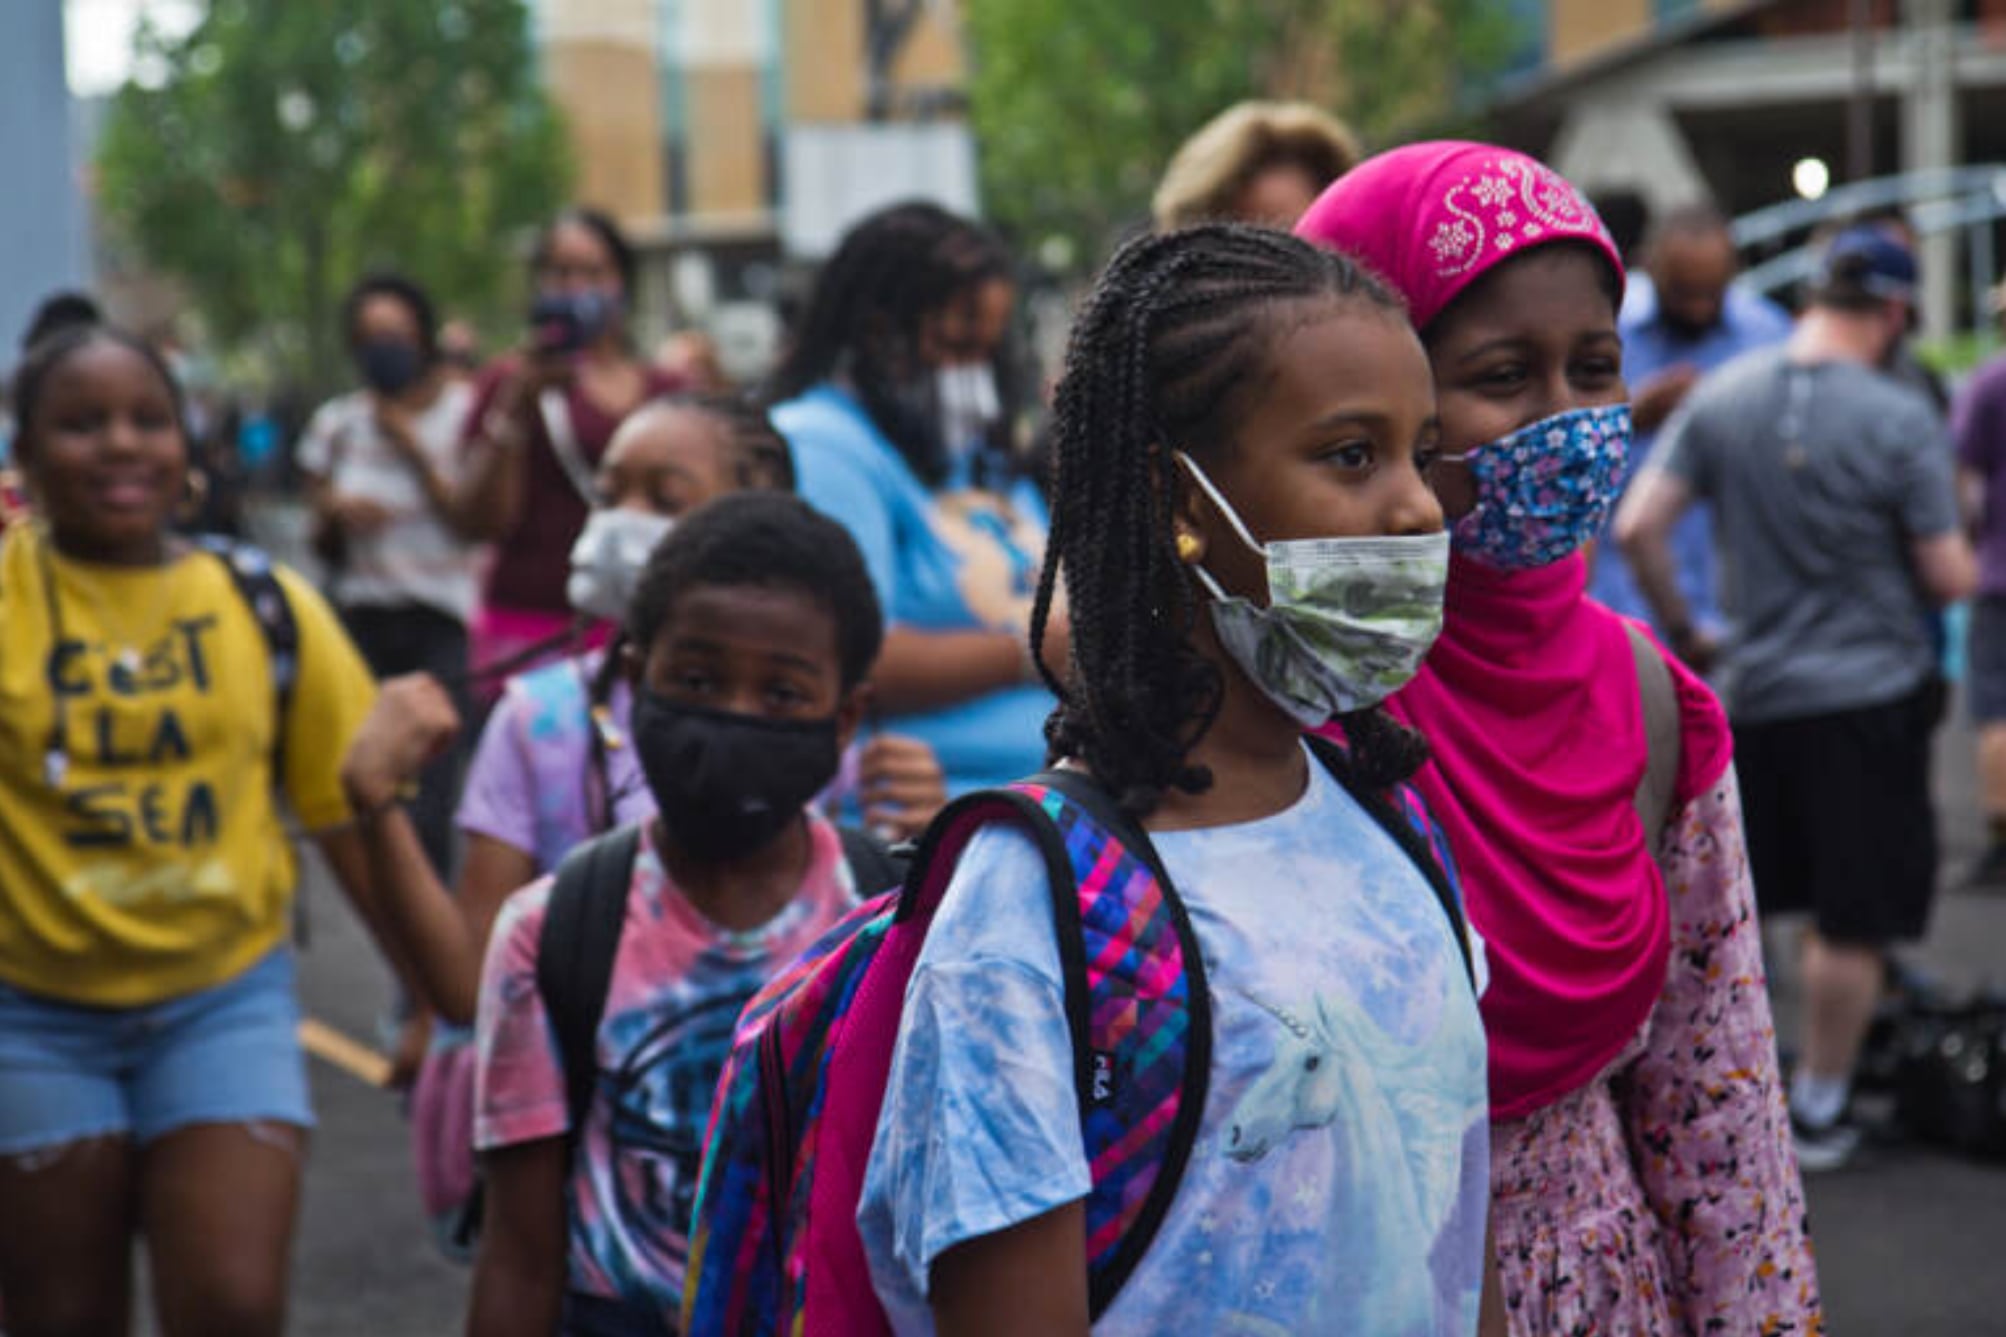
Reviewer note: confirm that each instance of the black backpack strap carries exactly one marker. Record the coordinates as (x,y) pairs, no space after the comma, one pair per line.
(574,956)
(257,583)
(874,866)
(1412,842)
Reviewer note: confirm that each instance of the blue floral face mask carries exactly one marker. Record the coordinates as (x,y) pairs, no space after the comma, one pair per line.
(1546,489)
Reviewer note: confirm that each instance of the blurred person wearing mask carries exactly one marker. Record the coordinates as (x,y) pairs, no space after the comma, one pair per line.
(1255,162)
(891,403)
(384,467)
(541,422)
(1691,318)
(1839,532)
(557,763)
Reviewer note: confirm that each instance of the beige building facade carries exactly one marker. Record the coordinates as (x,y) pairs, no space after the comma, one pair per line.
(678,109)
(733,137)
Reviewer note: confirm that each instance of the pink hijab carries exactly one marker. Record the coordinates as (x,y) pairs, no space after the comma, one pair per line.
(1529,700)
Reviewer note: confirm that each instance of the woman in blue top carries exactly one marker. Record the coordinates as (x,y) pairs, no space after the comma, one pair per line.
(889,400)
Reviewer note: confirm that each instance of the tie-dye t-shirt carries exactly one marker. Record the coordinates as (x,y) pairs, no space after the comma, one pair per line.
(1340,1180)
(678,984)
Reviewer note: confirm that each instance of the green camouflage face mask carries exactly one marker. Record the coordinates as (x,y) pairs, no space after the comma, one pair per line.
(1348,620)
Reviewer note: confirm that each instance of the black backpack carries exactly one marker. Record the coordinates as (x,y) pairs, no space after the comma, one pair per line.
(1949,1071)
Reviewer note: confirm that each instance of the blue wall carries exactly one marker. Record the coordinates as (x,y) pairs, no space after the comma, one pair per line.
(42,232)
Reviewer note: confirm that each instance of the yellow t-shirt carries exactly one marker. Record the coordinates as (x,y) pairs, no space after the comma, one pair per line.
(150,860)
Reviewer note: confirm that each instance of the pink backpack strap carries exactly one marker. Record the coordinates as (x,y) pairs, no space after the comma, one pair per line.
(860,1048)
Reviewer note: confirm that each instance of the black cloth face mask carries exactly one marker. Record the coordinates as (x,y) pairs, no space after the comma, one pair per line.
(389,366)
(726,785)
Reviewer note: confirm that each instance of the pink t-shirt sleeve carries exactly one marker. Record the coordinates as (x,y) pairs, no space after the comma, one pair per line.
(498,799)
(518,1075)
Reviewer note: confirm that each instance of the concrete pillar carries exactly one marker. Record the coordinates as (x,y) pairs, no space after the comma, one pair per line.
(1612,141)
(1932,136)
(44,218)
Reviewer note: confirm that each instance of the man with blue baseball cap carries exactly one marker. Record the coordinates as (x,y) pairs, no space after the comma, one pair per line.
(1838,528)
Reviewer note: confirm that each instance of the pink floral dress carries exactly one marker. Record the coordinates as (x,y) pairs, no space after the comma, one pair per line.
(1663,1198)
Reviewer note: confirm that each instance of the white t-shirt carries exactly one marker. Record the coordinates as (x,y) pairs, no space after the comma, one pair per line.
(1340,1180)
(415,558)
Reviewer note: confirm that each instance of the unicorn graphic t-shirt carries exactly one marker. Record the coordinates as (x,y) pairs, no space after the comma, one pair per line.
(1340,1178)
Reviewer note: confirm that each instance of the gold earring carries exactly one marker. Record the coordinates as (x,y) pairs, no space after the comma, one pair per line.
(1187,548)
(195,493)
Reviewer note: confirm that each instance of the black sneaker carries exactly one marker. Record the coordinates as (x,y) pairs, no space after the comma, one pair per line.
(1989,873)
(1822,1147)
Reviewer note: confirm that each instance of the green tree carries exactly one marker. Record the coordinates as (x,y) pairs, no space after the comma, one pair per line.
(282,148)
(1078,107)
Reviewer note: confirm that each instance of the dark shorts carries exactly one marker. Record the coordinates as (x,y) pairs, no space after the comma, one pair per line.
(1985,676)
(1839,818)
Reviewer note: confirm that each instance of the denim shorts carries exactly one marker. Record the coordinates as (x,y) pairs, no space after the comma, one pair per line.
(228,1054)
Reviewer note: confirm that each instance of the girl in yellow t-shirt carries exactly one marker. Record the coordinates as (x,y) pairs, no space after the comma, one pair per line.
(150,1082)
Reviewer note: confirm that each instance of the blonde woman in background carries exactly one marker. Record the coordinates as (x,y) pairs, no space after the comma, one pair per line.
(1255,162)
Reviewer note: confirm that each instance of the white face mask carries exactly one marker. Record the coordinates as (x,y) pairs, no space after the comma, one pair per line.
(606,561)
(969,405)
(1348,620)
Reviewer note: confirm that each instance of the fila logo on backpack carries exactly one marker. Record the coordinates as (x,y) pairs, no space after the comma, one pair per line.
(774,1247)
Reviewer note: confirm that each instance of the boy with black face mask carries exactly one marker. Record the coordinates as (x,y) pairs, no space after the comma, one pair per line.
(752,630)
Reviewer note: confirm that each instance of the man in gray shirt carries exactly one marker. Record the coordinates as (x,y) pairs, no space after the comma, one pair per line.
(1836,517)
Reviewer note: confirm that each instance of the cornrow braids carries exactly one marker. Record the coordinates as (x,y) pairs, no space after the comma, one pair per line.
(1175,335)
(865,316)
(598,698)
(760,457)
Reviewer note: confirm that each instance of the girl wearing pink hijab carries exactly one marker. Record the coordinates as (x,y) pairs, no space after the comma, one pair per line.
(1642,1174)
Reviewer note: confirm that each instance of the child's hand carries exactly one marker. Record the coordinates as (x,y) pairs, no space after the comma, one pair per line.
(899,786)
(412,722)
(414,1039)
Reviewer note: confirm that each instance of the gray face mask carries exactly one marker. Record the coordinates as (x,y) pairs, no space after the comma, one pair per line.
(1348,620)
(606,560)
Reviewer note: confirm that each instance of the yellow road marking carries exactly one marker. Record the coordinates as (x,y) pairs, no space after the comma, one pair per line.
(352,1057)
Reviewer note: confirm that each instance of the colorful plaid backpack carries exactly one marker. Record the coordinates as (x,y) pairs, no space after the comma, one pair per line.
(775,1247)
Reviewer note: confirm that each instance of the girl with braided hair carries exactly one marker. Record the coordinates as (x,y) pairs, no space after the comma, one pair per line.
(894,399)
(1250,549)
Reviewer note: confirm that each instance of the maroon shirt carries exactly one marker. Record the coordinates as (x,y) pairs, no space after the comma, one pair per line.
(532,561)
